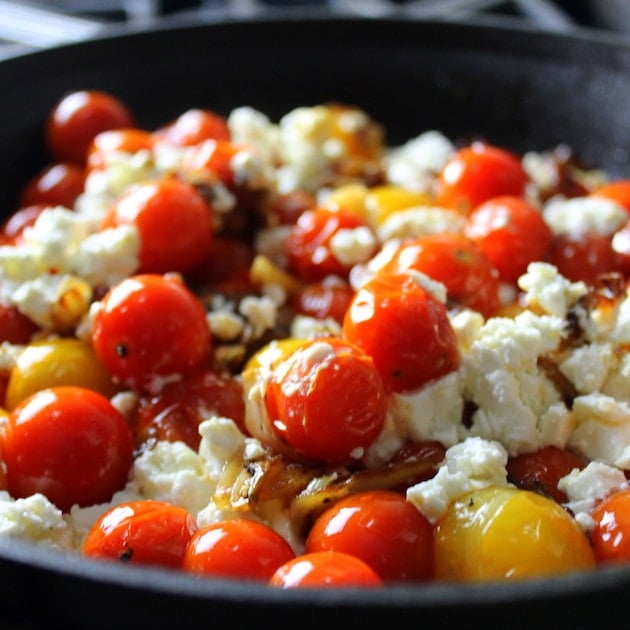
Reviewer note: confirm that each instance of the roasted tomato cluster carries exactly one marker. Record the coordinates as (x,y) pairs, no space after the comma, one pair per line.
(221,342)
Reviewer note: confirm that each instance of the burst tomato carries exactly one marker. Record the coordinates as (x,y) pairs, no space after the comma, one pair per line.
(404,328)
(322,300)
(326,401)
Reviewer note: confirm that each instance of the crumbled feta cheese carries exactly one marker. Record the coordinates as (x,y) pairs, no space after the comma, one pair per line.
(579,215)
(418,221)
(588,367)
(353,246)
(470,465)
(584,488)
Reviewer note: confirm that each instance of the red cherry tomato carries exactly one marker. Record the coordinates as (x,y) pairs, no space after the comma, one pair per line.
(22,218)
(210,160)
(68,443)
(540,471)
(322,300)
(325,569)
(511,233)
(174,414)
(618,191)
(107,142)
(57,184)
(151,329)
(455,261)
(141,532)
(237,548)
(477,173)
(78,117)
(404,328)
(327,401)
(194,126)
(381,528)
(309,244)
(584,256)
(15,327)
(611,535)
(174,221)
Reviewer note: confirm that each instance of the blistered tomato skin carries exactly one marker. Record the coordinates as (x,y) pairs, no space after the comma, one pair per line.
(68,443)
(174,222)
(141,532)
(506,534)
(151,330)
(325,569)
(404,328)
(327,401)
(238,548)
(381,528)
(611,534)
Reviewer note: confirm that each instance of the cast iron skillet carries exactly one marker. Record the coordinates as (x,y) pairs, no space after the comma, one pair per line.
(514,86)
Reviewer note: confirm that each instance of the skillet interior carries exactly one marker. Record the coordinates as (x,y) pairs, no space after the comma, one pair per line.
(516,87)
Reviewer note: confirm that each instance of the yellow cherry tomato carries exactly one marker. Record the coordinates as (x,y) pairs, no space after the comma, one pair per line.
(51,362)
(383,201)
(502,533)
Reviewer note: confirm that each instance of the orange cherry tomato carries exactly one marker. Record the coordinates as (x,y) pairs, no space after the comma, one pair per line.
(107,142)
(584,256)
(141,532)
(15,327)
(454,260)
(381,528)
(68,443)
(322,300)
(174,414)
(611,535)
(325,569)
(541,470)
(511,233)
(194,126)
(78,117)
(618,191)
(238,548)
(404,328)
(22,218)
(309,250)
(477,173)
(151,329)
(58,184)
(327,401)
(174,221)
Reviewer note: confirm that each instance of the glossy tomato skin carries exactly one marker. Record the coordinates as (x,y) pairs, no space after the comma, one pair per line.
(174,222)
(618,191)
(322,300)
(70,444)
(17,221)
(239,548)
(309,246)
(58,184)
(175,413)
(381,528)
(193,127)
(511,233)
(611,535)
(541,470)
(151,329)
(78,117)
(141,532)
(478,172)
(458,263)
(326,401)
(404,328)
(325,569)
(584,256)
